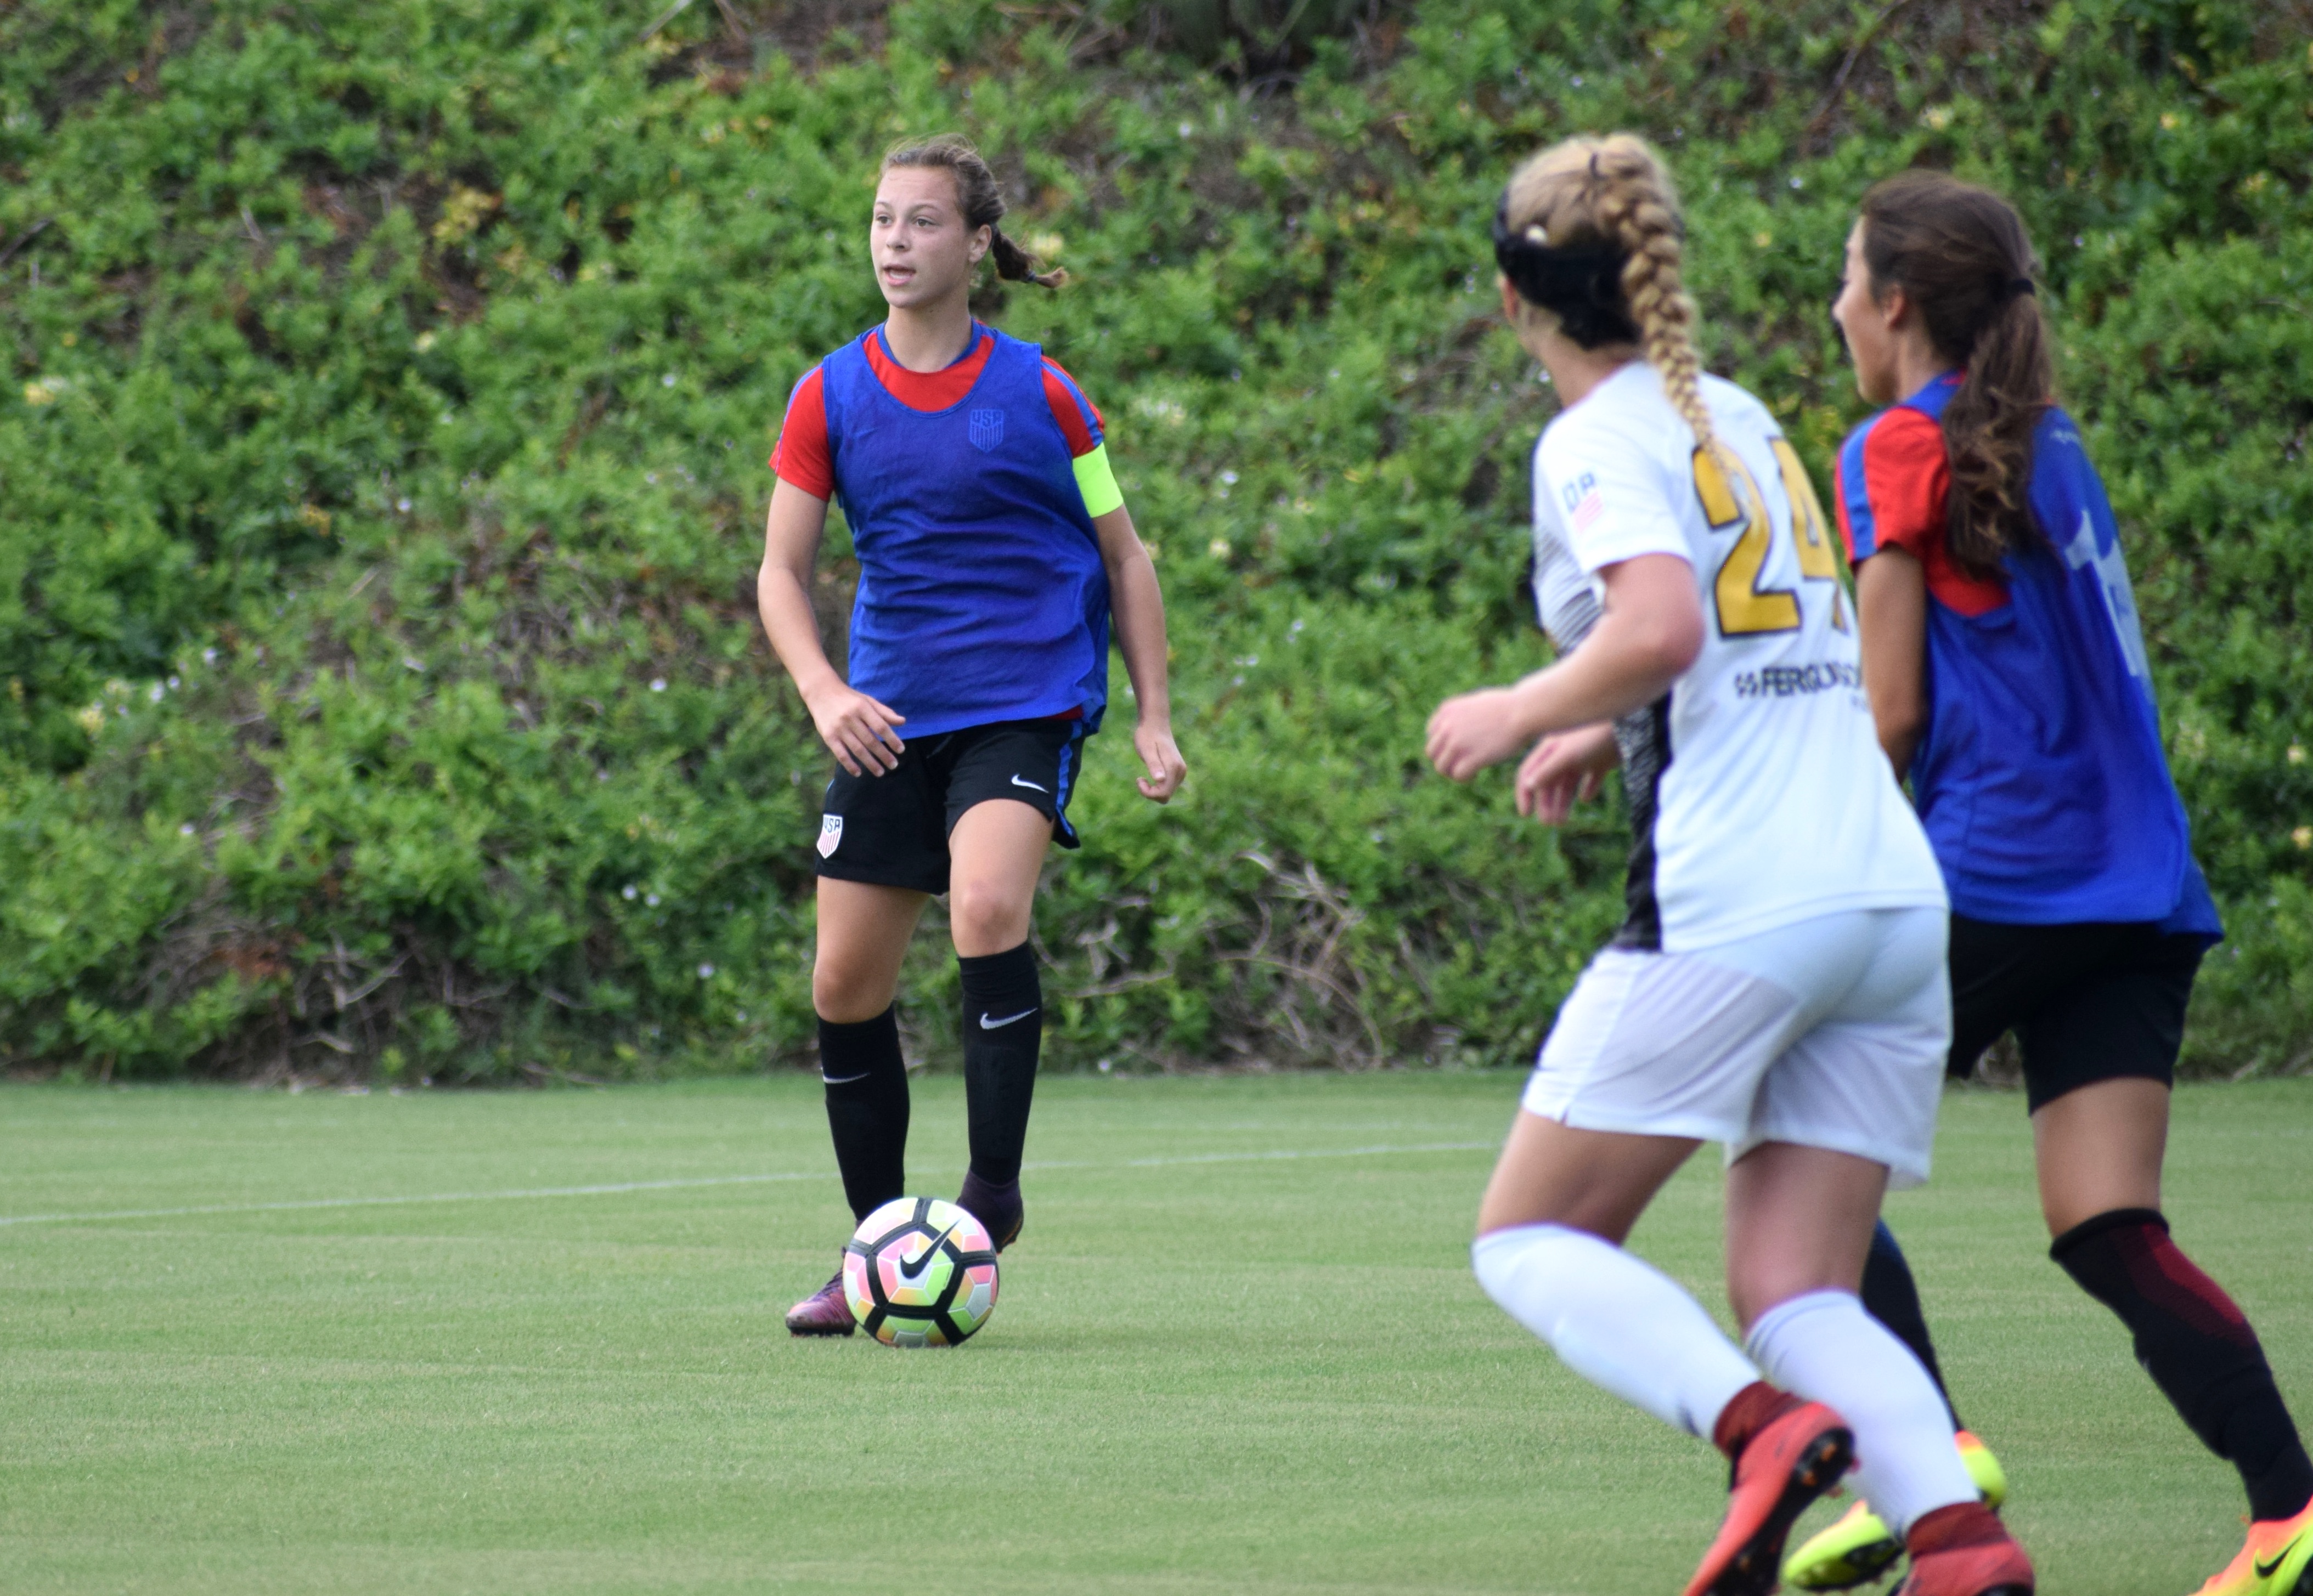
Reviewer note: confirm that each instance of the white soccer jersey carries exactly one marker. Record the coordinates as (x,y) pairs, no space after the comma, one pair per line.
(1758,793)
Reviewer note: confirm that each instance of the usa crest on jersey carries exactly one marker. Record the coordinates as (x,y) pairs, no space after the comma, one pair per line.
(987,429)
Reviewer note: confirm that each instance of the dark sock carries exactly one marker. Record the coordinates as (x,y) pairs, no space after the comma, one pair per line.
(2198,1347)
(1890,1296)
(997,1207)
(867,1107)
(1003,1031)
(1746,1412)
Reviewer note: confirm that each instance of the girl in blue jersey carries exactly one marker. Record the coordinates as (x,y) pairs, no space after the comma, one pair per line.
(2008,679)
(994,548)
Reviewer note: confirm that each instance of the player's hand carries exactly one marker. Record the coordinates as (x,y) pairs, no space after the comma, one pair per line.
(1473,731)
(1166,769)
(858,732)
(1564,768)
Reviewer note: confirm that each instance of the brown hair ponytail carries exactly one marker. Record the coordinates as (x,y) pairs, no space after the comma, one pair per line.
(1616,192)
(982,201)
(1960,254)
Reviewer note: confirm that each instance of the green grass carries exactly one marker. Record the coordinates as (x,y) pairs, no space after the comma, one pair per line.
(1251,1373)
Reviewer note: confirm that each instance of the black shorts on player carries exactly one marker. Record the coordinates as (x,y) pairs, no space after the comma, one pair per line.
(892,830)
(2088,1002)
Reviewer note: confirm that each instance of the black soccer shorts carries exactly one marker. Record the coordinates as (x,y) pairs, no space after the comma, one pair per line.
(892,830)
(2088,1002)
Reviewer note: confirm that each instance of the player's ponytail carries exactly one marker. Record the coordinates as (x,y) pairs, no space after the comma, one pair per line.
(980,198)
(1589,229)
(1960,254)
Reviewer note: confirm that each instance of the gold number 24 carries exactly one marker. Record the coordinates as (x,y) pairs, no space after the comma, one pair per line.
(1744,608)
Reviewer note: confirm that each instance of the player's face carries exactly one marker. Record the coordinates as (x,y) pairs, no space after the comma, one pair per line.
(1866,325)
(922,250)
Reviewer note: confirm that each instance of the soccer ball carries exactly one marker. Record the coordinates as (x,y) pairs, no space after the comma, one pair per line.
(920,1272)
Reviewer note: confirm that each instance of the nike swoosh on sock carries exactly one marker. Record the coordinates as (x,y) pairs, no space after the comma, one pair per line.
(989,1023)
(827,1079)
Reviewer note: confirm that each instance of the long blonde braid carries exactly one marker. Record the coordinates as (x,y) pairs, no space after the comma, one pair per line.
(1616,191)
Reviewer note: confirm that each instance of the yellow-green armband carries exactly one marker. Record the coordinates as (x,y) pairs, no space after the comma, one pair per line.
(1097,483)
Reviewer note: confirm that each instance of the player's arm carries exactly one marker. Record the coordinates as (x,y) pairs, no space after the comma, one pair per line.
(1648,634)
(1564,768)
(859,730)
(1891,603)
(1138,606)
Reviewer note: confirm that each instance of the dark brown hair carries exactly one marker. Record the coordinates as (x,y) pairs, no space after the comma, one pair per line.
(1960,254)
(982,201)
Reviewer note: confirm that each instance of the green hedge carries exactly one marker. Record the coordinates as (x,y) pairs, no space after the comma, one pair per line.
(382,476)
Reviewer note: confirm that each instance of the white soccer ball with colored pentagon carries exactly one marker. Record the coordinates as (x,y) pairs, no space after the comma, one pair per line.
(920,1272)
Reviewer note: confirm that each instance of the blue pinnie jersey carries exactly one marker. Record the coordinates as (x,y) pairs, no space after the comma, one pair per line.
(982,597)
(2039,776)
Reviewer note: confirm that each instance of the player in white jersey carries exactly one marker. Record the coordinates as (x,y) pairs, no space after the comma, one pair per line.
(1779,984)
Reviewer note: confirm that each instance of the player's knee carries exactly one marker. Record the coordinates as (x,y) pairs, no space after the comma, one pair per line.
(844,992)
(988,917)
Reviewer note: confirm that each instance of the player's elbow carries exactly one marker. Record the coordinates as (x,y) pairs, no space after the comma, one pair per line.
(1669,640)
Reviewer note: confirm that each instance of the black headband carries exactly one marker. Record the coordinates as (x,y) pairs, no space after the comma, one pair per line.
(1583,286)
(2017,286)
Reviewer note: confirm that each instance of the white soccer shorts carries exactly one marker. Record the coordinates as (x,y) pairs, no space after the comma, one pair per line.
(1830,1033)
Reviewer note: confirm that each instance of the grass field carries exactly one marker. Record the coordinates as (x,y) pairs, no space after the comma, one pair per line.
(354,1344)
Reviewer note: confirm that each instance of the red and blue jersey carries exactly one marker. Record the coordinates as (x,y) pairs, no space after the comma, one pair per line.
(982,596)
(2039,774)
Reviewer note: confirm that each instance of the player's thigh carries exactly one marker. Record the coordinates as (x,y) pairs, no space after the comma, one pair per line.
(2100,1147)
(996,853)
(1799,1219)
(863,935)
(1598,1182)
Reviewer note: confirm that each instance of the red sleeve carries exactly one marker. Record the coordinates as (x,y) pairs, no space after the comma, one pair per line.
(800,456)
(1903,486)
(1080,421)
(1906,478)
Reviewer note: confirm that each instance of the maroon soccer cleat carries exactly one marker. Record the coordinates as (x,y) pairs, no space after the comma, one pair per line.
(825,1312)
(1791,1459)
(1964,1551)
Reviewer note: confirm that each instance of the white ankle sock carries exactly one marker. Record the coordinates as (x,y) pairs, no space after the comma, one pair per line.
(1615,1320)
(1823,1346)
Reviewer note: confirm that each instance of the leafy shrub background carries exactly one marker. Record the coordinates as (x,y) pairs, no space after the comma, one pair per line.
(381,469)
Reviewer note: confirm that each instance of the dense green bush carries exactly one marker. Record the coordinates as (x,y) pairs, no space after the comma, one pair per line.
(380,475)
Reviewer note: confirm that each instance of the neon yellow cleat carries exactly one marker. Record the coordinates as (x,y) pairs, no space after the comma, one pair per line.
(1856,1550)
(1991,1479)
(1860,1548)
(2277,1560)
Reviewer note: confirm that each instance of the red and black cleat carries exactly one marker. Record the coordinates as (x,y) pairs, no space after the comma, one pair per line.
(825,1312)
(1964,1551)
(1789,1461)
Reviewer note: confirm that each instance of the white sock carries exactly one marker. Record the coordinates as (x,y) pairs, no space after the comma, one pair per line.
(1823,1346)
(1615,1320)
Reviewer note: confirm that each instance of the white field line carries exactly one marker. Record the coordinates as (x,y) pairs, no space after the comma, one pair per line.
(537,1193)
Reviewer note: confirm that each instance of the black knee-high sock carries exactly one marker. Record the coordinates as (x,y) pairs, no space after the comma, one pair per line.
(2197,1346)
(1003,1032)
(867,1107)
(1891,1297)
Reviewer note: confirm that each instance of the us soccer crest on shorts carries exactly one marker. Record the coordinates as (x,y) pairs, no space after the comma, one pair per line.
(830,835)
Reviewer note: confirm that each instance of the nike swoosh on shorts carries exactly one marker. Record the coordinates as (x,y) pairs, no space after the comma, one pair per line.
(989,1023)
(1031,786)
